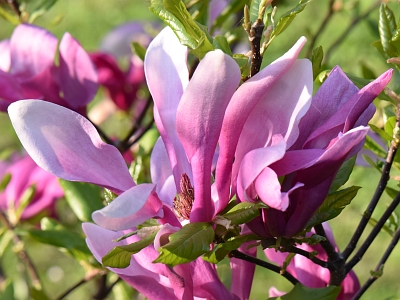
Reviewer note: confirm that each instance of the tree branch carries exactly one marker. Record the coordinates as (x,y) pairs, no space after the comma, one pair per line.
(264,264)
(377,195)
(378,270)
(321,28)
(353,23)
(375,231)
(306,254)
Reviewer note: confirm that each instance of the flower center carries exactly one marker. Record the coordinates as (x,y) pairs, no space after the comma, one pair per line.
(183,202)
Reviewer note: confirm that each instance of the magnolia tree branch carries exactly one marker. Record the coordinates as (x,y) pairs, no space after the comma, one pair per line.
(255,35)
(125,144)
(352,25)
(264,264)
(335,261)
(14,6)
(321,28)
(306,254)
(379,268)
(375,231)
(377,195)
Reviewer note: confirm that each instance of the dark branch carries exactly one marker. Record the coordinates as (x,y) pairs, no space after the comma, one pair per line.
(255,35)
(352,25)
(264,264)
(378,270)
(375,199)
(375,231)
(306,254)
(321,28)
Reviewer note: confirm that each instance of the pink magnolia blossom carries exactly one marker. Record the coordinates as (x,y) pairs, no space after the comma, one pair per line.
(120,85)
(24,174)
(27,69)
(310,274)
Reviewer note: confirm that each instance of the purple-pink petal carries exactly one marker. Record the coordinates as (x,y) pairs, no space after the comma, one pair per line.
(167,77)
(130,209)
(5,59)
(67,145)
(239,108)
(78,75)
(199,119)
(32,50)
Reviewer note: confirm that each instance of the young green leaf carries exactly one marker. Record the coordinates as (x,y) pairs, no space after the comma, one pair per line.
(333,205)
(383,134)
(287,18)
(370,144)
(230,9)
(254,7)
(243,212)
(8,291)
(5,181)
(192,241)
(120,256)
(316,59)
(221,250)
(387,28)
(189,33)
(343,174)
(220,42)
(139,50)
(83,198)
(372,163)
(301,292)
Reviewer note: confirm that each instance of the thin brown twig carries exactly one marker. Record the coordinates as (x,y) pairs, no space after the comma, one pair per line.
(352,25)
(321,28)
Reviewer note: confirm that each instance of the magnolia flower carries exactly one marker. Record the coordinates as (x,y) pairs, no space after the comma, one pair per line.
(24,174)
(27,69)
(310,274)
(67,145)
(331,132)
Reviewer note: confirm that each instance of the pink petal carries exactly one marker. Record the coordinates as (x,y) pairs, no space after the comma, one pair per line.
(78,75)
(67,145)
(161,173)
(148,282)
(32,50)
(199,120)
(239,108)
(255,162)
(346,117)
(167,77)
(130,209)
(5,59)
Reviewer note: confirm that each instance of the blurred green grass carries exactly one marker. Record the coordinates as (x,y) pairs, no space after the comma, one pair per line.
(90,20)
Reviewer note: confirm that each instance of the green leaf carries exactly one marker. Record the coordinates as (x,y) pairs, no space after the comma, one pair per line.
(221,250)
(62,238)
(9,16)
(301,292)
(333,205)
(220,42)
(8,292)
(120,256)
(49,224)
(230,9)
(391,192)
(383,134)
(109,196)
(243,212)
(370,144)
(5,181)
(189,33)
(386,228)
(316,59)
(287,18)
(38,294)
(343,174)
(387,28)
(83,198)
(241,59)
(372,163)
(25,199)
(139,50)
(41,9)
(192,241)
(367,72)
(254,8)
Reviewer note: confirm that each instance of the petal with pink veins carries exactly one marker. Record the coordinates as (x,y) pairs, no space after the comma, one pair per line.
(130,209)
(67,145)
(199,120)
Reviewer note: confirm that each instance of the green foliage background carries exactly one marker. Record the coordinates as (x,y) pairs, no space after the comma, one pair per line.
(89,20)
